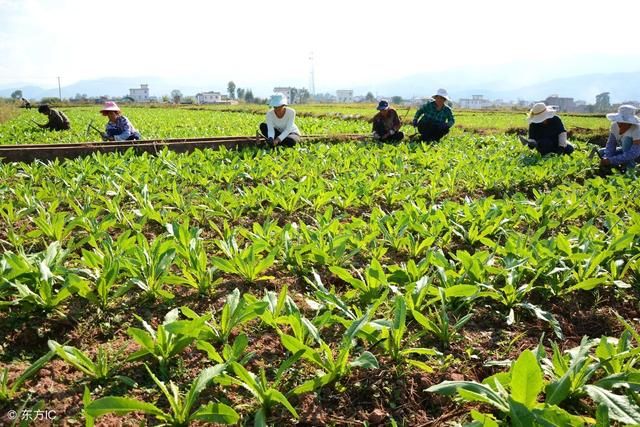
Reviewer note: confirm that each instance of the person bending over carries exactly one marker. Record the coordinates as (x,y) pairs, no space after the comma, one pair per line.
(623,145)
(546,131)
(386,124)
(118,128)
(57,119)
(434,119)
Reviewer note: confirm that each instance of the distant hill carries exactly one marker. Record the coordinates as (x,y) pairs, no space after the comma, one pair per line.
(463,84)
(622,86)
(112,87)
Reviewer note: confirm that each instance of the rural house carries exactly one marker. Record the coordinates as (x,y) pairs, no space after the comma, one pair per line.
(476,102)
(140,94)
(209,98)
(344,96)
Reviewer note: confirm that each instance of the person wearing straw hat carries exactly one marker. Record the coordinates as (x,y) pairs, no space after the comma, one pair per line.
(434,119)
(623,145)
(280,127)
(386,124)
(546,131)
(118,128)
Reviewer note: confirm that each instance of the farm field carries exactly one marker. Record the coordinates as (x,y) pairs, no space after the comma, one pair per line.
(464,282)
(197,121)
(160,123)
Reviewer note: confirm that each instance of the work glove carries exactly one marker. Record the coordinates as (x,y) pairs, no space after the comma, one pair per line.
(270,142)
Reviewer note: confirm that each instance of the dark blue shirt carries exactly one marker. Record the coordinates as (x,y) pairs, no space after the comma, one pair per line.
(549,129)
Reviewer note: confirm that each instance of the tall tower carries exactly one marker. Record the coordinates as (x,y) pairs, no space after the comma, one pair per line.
(312,83)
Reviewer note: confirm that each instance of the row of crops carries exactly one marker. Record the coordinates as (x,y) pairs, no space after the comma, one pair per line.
(322,285)
(156,123)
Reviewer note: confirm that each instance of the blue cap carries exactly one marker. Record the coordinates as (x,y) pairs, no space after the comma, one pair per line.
(277,99)
(383,105)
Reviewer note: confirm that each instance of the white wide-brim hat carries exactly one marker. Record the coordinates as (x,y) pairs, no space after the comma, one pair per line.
(443,93)
(540,112)
(625,114)
(277,100)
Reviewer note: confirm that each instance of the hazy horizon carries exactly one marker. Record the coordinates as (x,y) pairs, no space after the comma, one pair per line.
(261,45)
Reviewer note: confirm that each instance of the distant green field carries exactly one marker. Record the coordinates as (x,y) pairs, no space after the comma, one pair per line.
(199,121)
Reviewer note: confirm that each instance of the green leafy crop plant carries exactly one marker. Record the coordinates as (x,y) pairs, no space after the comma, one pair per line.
(463,244)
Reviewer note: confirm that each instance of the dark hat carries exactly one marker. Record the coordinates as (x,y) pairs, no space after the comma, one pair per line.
(383,105)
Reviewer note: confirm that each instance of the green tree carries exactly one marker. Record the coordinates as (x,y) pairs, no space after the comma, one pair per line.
(49,100)
(602,102)
(231,88)
(396,99)
(369,97)
(17,94)
(240,93)
(176,95)
(303,96)
(248,95)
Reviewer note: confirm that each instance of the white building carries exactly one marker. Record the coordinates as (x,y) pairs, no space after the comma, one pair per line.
(141,94)
(476,102)
(344,96)
(209,98)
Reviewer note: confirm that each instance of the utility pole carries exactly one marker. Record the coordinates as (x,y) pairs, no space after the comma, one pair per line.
(59,90)
(313,77)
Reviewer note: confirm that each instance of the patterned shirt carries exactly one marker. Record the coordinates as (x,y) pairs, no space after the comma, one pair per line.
(429,112)
(629,151)
(121,129)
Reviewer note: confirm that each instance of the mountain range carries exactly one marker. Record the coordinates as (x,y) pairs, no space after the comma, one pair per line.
(460,84)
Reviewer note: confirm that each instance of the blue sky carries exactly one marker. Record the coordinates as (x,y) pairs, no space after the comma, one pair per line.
(269,43)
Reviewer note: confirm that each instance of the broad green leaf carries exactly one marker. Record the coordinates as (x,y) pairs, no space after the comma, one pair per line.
(602,416)
(420,365)
(461,291)
(120,406)
(216,413)
(620,407)
(552,416)
(526,379)
(313,384)
(482,420)
(365,360)
(276,396)
(481,392)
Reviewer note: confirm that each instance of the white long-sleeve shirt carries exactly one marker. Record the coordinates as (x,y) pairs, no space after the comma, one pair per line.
(285,125)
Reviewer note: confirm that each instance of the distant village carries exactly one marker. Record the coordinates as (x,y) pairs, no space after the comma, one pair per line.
(345,96)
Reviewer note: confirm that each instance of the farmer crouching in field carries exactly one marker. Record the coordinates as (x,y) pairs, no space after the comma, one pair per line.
(57,119)
(623,145)
(386,124)
(434,119)
(118,128)
(546,131)
(280,127)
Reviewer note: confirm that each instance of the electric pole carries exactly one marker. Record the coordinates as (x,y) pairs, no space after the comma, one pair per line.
(59,90)
(313,77)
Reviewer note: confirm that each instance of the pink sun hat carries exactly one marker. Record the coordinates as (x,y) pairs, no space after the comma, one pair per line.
(110,106)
